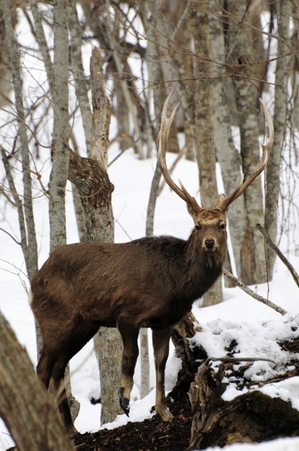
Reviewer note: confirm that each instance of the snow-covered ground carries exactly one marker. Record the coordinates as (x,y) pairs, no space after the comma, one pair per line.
(255,326)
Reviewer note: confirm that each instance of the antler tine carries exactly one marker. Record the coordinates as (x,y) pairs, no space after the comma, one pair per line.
(162,147)
(260,167)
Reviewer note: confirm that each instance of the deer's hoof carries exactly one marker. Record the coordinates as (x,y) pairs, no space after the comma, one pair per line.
(124,402)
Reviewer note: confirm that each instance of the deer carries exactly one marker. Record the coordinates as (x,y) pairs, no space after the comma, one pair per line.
(148,282)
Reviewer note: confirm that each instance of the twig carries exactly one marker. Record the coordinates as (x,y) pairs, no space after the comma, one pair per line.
(279,253)
(10,235)
(227,359)
(252,293)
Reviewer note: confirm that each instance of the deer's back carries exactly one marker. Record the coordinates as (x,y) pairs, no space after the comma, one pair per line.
(106,282)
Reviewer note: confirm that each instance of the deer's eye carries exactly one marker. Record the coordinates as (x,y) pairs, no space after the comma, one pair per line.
(222,226)
(198,226)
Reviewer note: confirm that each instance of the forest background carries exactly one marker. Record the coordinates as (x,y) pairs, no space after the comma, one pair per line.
(68,69)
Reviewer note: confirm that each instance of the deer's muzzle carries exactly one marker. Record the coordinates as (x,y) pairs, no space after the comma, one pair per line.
(210,245)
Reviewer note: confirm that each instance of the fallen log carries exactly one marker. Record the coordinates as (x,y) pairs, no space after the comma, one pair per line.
(252,417)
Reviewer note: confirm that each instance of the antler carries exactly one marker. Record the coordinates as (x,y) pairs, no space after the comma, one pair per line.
(162,147)
(260,167)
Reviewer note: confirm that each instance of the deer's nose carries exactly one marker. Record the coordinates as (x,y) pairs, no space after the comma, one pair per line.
(209,244)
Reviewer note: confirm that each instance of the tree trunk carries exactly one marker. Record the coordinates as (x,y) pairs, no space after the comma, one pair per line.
(80,80)
(241,57)
(27,409)
(279,120)
(90,177)
(227,154)
(61,131)
(155,72)
(205,149)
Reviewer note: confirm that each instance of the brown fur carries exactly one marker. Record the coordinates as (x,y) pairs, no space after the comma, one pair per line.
(149,282)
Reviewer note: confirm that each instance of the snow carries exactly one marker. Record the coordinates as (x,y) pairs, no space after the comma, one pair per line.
(255,327)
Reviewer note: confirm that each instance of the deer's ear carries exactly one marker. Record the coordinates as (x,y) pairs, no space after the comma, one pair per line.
(220,199)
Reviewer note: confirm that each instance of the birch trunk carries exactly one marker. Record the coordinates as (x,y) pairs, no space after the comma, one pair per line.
(108,340)
(227,154)
(279,120)
(61,132)
(80,80)
(155,71)
(95,189)
(205,149)
(241,57)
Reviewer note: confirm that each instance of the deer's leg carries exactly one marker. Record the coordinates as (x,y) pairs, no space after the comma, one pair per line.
(52,364)
(61,396)
(161,350)
(66,348)
(45,367)
(79,337)
(130,353)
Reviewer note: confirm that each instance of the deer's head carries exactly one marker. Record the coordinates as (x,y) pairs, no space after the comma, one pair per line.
(210,221)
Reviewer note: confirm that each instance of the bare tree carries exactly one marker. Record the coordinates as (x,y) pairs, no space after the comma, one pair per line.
(25,209)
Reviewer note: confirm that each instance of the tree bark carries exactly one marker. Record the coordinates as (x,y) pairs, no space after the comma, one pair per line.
(155,71)
(80,80)
(90,177)
(61,131)
(28,410)
(226,152)
(241,58)
(279,120)
(205,148)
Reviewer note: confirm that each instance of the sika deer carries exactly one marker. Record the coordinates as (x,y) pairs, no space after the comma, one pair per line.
(149,282)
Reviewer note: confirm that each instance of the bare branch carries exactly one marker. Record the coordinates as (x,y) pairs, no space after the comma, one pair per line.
(10,235)
(17,200)
(228,359)
(252,293)
(279,253)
